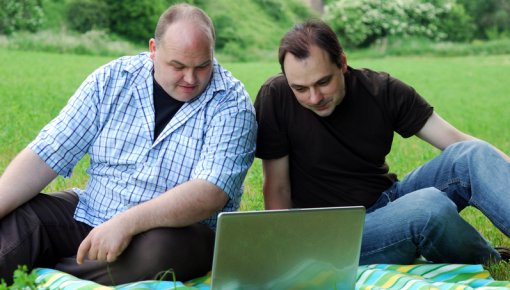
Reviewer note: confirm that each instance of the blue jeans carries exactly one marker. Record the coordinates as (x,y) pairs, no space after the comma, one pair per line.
(419,216)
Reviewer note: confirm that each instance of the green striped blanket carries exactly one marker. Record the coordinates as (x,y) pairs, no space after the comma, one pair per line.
(379,276)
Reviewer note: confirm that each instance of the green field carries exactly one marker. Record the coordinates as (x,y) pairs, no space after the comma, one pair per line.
(470,92)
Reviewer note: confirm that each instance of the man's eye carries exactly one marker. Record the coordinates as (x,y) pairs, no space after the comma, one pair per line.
(323,83)
(300,89)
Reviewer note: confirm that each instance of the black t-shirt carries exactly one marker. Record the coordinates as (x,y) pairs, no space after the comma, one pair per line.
(338,160)
(165,108)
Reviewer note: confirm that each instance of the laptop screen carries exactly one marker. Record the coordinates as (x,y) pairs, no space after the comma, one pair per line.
(314,248)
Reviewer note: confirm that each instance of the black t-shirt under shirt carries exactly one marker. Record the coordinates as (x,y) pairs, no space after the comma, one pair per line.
(165,108)
(338,160)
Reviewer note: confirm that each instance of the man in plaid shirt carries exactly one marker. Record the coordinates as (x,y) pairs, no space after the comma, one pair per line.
(170,135)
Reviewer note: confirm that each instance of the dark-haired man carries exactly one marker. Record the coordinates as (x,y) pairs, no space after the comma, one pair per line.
(324,132)
(170,135)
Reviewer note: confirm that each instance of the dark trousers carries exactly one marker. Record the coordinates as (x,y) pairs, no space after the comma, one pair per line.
(43,233)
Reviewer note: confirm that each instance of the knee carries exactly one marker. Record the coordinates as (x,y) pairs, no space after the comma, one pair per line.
(175,244)
(471,148)
(430,208)
(187,252)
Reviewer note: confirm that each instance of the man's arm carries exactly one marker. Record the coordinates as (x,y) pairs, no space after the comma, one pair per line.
(23,179)
(276,183)
(440,134)
(227,154)
(180,206)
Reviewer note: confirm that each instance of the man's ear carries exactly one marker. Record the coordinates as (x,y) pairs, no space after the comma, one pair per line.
(152,48)
(343,60)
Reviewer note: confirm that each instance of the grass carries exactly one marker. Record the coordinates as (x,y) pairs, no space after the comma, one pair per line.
(420,46)
(94,42)
(470,92)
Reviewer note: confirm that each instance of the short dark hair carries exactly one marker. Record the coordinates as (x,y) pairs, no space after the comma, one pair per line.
(313,32)
(184,11)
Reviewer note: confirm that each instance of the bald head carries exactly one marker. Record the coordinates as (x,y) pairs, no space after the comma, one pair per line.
(185,13)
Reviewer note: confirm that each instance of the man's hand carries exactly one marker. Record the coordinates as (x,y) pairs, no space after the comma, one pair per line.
(180,206)
(105,242)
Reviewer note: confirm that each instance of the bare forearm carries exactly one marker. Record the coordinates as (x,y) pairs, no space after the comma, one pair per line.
(277,189)
(276,198)
(183,205)
(25,177)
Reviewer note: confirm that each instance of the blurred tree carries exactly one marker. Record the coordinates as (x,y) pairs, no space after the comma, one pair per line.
(361,23)
(85,15)
(135,20)
(492,17)
(18,15)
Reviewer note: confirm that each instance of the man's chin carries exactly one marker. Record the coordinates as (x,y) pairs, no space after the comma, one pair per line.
(186,96)
(324,113)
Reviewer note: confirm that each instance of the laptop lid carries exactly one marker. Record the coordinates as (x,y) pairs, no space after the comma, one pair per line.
(314,248)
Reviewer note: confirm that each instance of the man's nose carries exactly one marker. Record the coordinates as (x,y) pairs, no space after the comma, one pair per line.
(315,96)
(189,76)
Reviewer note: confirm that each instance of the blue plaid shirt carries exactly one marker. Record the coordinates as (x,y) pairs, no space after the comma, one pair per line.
(111,117)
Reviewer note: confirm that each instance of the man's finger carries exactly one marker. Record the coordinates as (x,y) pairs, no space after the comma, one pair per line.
(101,254)
(83,250)
(111,257)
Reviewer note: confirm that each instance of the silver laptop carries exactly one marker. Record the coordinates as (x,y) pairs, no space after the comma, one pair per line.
(315,248)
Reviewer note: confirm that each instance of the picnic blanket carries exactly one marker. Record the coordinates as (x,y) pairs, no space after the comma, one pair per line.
(374,277)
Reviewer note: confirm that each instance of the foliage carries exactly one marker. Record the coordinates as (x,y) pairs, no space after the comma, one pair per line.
(246,29)
(100,43)
(251,29)
(301,11)
(85,15)
(135,20)
(420,46)
(458,25)
(226,31)
(492,17)
(361,23)
(491,47)
(274,8)
(283,11)
(93,42)
(20,15)
(54,14)
(22,280)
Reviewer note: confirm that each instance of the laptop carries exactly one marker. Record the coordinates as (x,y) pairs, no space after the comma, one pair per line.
(316,248)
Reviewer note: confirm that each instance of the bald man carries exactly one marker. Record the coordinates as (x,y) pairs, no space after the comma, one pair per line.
(170,135)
